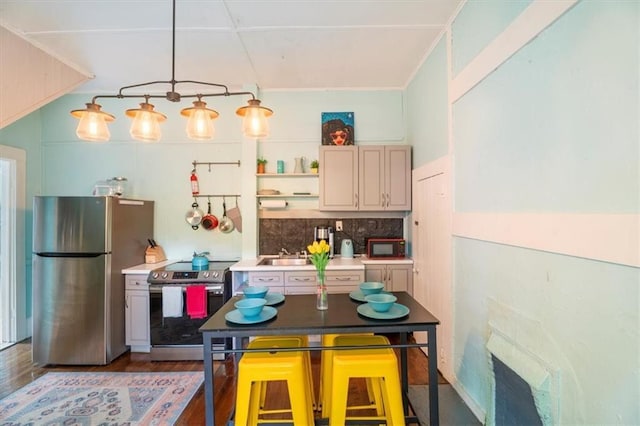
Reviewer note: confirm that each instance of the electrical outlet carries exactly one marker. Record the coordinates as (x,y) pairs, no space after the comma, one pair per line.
(338,225)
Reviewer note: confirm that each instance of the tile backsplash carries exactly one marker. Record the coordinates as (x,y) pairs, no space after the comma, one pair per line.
(295,234)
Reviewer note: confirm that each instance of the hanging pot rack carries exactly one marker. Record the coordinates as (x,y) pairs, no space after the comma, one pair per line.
(215,163)
(216,196)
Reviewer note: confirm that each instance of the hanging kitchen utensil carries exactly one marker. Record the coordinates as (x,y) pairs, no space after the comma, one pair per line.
(194,216)
(209,221)
(226,225)
(235,216)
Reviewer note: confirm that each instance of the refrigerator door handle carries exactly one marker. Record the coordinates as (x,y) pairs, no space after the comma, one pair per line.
(70,254)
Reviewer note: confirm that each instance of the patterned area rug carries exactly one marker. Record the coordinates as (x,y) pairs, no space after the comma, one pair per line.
(101,399)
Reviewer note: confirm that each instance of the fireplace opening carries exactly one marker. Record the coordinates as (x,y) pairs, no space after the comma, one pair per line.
(524,387)
(514,402)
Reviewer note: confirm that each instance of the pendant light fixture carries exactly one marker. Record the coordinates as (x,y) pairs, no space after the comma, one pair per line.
(146,121)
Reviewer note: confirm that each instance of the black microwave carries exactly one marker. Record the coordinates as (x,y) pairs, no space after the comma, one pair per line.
(386,248)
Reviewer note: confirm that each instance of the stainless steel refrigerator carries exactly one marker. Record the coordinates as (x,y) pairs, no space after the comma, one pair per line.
(81,245)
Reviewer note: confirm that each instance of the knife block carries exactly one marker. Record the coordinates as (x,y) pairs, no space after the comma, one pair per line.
(154,254)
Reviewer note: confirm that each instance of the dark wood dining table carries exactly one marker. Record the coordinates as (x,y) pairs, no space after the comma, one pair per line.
(298,315)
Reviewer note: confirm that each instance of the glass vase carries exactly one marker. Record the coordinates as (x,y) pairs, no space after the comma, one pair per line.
(322,302)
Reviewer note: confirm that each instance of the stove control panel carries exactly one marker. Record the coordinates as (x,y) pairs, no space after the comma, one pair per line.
(168,277)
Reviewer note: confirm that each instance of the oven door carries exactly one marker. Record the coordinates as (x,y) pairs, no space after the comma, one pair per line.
(178,338)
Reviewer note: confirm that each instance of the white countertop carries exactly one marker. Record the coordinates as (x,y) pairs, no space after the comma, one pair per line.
(337,263)
(145,268)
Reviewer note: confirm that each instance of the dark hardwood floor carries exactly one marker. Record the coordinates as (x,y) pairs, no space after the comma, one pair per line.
(17,370)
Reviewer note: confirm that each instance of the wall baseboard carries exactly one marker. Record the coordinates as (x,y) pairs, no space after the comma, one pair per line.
(473,406)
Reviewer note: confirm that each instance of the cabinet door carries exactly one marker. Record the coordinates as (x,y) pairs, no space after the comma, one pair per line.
(400,278)
(338,178)
(136,313)
(137,323)
(397,170)
(376,273)
(371,178)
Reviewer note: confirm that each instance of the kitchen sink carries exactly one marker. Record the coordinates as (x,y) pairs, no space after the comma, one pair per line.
(284,262)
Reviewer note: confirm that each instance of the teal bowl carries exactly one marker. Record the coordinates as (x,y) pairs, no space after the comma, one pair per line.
(250,307)
(381,302)
(255,292)
(371,287)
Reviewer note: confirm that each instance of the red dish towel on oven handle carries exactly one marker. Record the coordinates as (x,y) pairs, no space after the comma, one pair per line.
(197,301)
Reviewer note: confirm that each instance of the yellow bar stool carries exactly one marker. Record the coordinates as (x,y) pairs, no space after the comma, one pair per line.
(255,368)
(379,364)
(326,363)
(307,355)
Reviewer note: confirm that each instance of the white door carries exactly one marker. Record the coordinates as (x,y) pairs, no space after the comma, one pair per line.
(432,247)
(13,325)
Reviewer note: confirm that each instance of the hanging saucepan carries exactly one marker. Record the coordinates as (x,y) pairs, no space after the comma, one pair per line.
(194,216)
(226,225)
(209,221)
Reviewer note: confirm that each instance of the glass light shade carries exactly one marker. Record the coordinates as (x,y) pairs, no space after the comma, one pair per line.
(254,122)
(200,122)
(146,123)
(93,123)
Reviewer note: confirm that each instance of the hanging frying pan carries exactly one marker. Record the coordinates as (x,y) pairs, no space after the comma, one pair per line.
(226,224)
(194,216)
(209,221)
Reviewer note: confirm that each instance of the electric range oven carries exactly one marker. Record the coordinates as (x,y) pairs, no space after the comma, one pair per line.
(178,338)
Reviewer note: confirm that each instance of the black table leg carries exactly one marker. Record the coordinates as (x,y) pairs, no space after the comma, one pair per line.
(208,380)
(404,373)
(432,353)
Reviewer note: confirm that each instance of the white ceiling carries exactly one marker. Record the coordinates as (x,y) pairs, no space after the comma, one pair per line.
(276,44)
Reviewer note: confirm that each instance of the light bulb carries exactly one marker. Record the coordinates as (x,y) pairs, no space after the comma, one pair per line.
(93,123)
(200,121)
(254,122)
(146,123)
(92,127)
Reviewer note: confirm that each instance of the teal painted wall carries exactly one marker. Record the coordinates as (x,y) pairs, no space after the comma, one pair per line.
(559,123)
(554,129)
(477,24)
(26,134)
(427,110)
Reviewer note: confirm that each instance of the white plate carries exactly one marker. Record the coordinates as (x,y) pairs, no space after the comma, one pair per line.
(237,318)
(359,295)
(397,311)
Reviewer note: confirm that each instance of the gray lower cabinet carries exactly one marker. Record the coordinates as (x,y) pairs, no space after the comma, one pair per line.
(396,277)
(304,282)
(136,313)
(272,279)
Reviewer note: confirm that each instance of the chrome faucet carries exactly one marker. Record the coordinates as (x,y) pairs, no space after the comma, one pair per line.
(284,251)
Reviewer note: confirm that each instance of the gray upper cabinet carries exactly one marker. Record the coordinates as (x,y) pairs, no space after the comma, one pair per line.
(365,178)
(338,178)
(384,177)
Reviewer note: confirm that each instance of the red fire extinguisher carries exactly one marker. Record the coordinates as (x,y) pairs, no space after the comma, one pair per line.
(195,187)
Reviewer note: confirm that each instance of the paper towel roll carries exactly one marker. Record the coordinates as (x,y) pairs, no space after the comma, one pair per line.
(273,204)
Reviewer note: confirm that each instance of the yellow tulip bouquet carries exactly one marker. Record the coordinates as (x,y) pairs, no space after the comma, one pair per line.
(319,255)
